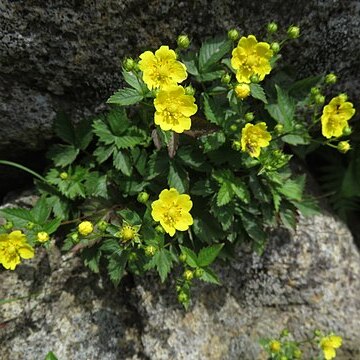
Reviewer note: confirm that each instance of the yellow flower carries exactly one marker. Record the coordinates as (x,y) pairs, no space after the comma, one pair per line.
(85,228)
(43,236)
(254,137)
(242,91)
(275,346)
(161,69)
(328,345)
(174,108)
(335,116)
(251,57)
(129,233)
(13,247)
(343,146)
(172,210)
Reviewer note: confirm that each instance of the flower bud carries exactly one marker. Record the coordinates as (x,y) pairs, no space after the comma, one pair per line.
(188,275)
(284,357)
(189,90)
(347,131)
(284,333)
(159,229)
(271,27)
(343,97)
(133,257)
(275,47)
(317,332)
(183,41)
(129,64)
(233,127)
(298,127)
(226,78)
(64,175)
(254,78)
(343,146)
(43,236)
(102,225)
(249,116)
(127,233)
(143,197)
(330,79)
(8,225)
(297,353)
(293,32)
(178,288)
(85,228)
(233,34)
(75,238)
(150,250)
(182,257)
(279,129)
(314,91)
(275,346)
(183,297)
(236,145)
(319,99)
(198,273)
(30,225)
(242,91)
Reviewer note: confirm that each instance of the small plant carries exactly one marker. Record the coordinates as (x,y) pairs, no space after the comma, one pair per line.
(318,347)
(191,159)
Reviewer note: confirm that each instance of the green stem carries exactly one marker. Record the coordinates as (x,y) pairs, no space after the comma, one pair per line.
(6,301)
(24,168)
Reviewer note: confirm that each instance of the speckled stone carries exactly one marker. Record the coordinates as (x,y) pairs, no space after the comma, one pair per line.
(66,54)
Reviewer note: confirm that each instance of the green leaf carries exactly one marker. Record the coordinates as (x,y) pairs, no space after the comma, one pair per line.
(127,141)
(190,61)
(96,185)
(241,191)
(51,226)
(50,356)
(207,255)
(123,163)
(118,121)
(64,128)
(103,132)
(125,97)
(213,112)
(210,76)
(258,92)
(178,177)
(163,262)
(110,246)
(212,50)
(300,89)
(131,217)
(139,158)
(203,188)
(307,206)
(210,277)
(224,214)
(41,211)
(133,81)
(102,153)
(20,217)
(213,141)
(225,194)
(63,155)
(191,258)
(91,258)
(288,217)
(207,229)
(83,134)
(293,189)
(117,265)
(294,139)
(253,229)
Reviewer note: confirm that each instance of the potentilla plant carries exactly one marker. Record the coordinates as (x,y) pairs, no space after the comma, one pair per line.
(191,159)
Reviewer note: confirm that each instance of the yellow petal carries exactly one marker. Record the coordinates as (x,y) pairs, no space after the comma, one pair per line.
(184,222)
(329,352)
(184,202)
(164,53)
(26,252)
(169,229)
(184,123)
(335,341)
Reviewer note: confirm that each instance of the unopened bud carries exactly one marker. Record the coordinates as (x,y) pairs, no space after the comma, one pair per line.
(236,145)
(347,131)
(159,229)
(233,34)
(188,275)
(75,238)
(198,273)
(271,27)
(297,353)
(279,129)
(150,250)
(64,175)
(275,47)
(102,225)
(129,64)
(343,97)
(242,91)
(254,78)
(284,333)
(293,32)
(183,297)
(182,257)
(8,225)
(343,146)
(189,90)
(330,79)
(30,225)
(143,197)
(249,116)
(43,236)
(319,99)
(226,78)
(314,91)
(233,127)
(317,332)
(183,41)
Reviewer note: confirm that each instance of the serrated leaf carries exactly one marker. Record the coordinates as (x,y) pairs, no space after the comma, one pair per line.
(118,121)
(210,277)
(163,262)
(96,185)
(110,246)
(258,92)
(207,255)
(41,211)
(20,217)
(125,97)
(191,258)
(117,265)
(127,141)
(133,81)
(103,132)
(190,62)
(102,153)
(63,155)
(64,128)
(207,228)
(293,189)
(302,88)
(288,217)
(91,258)
(253,229)
(178,177)
(241,191)
(213,141)
(203,188)
(50,356)
(212,50)
(224,214)
(210,76)
(123,163)
(225,194)
(213,112)
(83,134)
(51,226)
(139,158)
(130,216)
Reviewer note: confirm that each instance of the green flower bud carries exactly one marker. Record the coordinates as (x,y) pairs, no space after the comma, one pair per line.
(314,91)
(343,97)
(129,64)
(275,47)
(249,116)
(133,257)
(30,225)
(271,27)
(8,225)
(233,34)
(317,332)
(75,238)
(183,41)
(319,99)
(347,131)
(189,90)
(279,129)
(182,257)
(150,250)
(343,146)
(183,297)
(188,275)
(159,229)
(330,79)
(236,145)
(284,333)
(283,357)
(178,288)
(298,127)
(254,78)
(64,175)
(233,127)
(198,273)
(293,32)
(143,197)
(102,225)
(297,353)
(226,78)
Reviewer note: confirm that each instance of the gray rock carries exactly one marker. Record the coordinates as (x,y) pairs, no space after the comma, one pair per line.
(66,55)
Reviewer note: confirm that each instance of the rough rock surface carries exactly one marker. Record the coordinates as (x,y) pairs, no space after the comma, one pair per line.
(66,54)
(305,280)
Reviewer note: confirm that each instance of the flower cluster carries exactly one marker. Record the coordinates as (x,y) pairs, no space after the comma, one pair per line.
(335,116)
(328,345)
(13,248)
